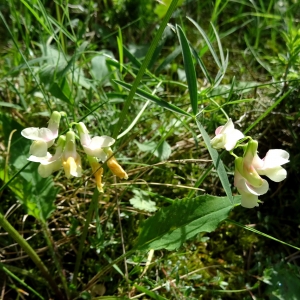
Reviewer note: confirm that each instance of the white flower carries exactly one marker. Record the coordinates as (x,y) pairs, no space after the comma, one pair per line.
(43,138)
(248,192)
(248,168)
(226,136)
(50,163)
(270,165)
(94,146)
(71,160)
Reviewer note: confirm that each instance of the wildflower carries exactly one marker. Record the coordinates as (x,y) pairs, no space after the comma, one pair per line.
(50,163)
(71,160)
(226,136)
(43,138)
(94,146)
(249,168)
(270,165)
(114,166)
(249,192)
(97,172)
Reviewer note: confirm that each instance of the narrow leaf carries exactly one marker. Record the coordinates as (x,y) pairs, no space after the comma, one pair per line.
(213,52)
(153,98)
(173,225)
(149,293)
(189,69)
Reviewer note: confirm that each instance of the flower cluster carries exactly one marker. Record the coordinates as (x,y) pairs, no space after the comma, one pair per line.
(250,166)
(66,155)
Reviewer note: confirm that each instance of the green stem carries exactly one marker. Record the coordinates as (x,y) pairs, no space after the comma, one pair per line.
(54,256)
(31,253)
(92,207)
(20,281)
(143,67)
(107,268)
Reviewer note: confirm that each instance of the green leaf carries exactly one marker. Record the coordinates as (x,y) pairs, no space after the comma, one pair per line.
(99,68)
(217,162)
(141,200)
(39,196)
(189,69)
(62,91)
(213,52)
(173,225)
(162,150)
(151,294)
(154,99)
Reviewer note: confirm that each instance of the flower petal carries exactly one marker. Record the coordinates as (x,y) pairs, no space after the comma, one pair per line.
(257,190)
(46,170)
(228,127)
(44,159)
(276,174)
(38,134)
(275,157)
(101,141)
(248,200)
(38,148)
(232,138)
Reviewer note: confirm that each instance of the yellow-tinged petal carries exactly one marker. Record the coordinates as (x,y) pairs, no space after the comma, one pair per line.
(116,168)
(72,167)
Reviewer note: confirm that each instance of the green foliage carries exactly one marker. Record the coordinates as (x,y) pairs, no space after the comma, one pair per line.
(141,200)
(173,225)
(83,58)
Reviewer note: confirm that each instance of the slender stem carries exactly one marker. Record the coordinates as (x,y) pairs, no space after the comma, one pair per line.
(54,256)
(107,268)
(143,67)
(31,253)
(92,206)
(12,275)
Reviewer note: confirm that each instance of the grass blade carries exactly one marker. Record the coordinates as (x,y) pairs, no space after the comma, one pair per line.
(189,69)
(153,98)
(217,162)
(213,52)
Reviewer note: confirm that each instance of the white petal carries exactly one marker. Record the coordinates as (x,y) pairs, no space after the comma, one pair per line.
(46,134)
(257,190)
(38,148)
(257,162)
(218,141)
(37,134)
(101,142)
(219,130)
(40,159)
(47,170)
(228,127)
(248,200)
(276,174)
(232,138)
(275,157)
(98,152)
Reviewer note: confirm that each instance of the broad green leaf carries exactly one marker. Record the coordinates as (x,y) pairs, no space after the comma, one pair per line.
(189,69)
(154,99)
(141,200)
(283,280)
(62,91)
(217,162)
(173,225)
(151,294)
(99,68)
(39,196)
